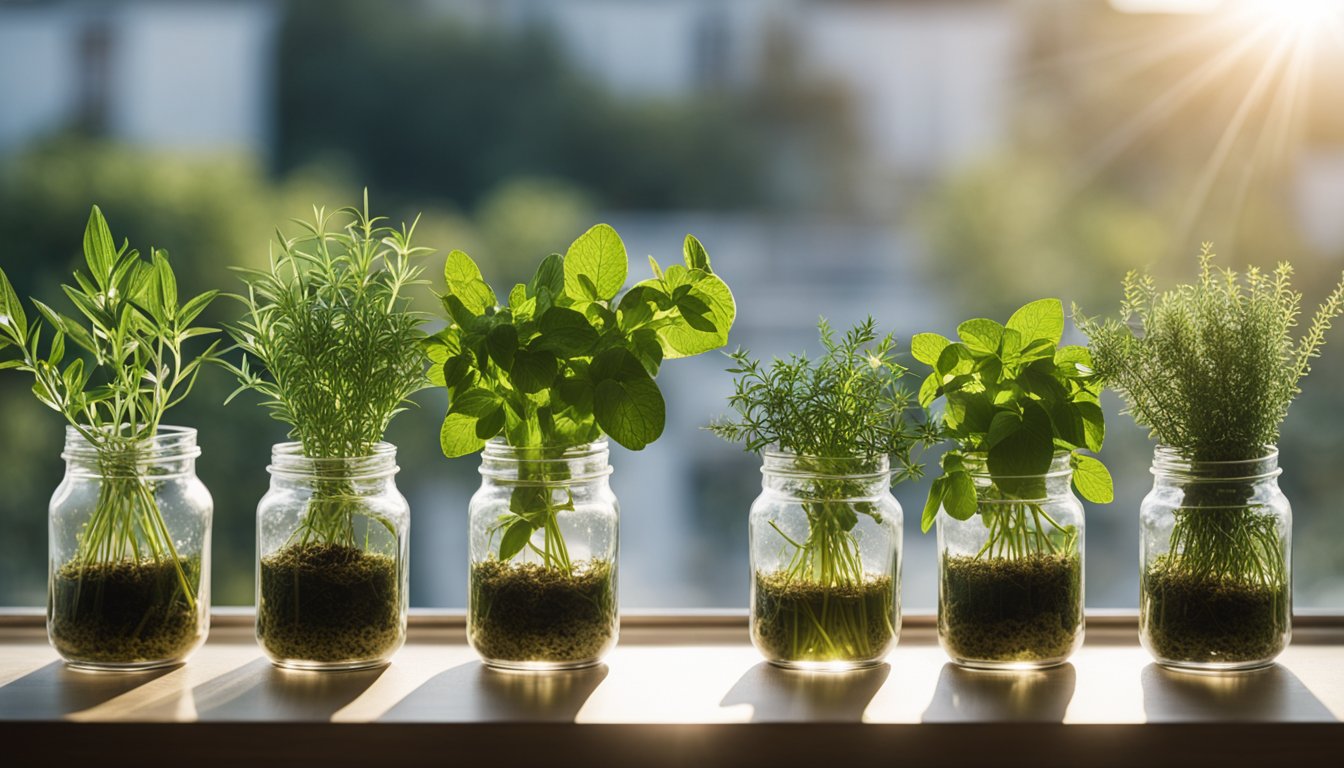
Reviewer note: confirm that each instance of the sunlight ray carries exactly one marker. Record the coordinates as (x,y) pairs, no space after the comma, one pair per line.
(1160,108)
(1231,133)
(1274,132)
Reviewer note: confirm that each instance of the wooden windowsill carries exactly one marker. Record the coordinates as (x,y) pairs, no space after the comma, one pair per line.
(681,689)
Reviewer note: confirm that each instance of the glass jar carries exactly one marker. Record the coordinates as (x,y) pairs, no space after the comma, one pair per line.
(825,537)
(332,566)
(1010,578)
(543,538)
(1215,550)
(129,552)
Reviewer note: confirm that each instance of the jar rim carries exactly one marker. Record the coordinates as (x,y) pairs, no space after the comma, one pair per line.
(1170,460)
(169,443)
(288,460)
(502,462)
(881,461)
(499,448)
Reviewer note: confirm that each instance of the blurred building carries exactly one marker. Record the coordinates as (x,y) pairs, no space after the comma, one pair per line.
(173,75)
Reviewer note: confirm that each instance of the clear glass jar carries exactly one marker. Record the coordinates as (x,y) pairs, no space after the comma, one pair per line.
(543,540)
(1215,550)
(1010,578)
(332,567)
(826,562)
(129,552)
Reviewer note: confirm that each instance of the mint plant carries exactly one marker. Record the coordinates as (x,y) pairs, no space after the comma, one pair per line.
(1014,398)
(564,361)
(113,370)
(1010,589)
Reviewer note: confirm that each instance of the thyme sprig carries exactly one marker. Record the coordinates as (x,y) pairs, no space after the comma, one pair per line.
(1210,368)
(849,403)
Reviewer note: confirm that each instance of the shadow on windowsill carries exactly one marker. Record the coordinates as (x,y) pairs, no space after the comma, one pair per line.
(260,691)
(786,695)
(56,691)
(1272,694)
(474,693)
(972,695)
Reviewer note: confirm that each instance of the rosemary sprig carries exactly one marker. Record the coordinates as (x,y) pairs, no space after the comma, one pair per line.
(338,349)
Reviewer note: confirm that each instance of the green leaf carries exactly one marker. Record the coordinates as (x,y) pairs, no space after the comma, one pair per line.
(515,537)
(517,295)
(1074,361)
(533,371)
(1004,424)
(490,424)
(598,255)
(714,303)
(637,307)
(100,251)
(501,343)
(1092,479)
(550,275)
(167,283)
(458,436)
(927,347)
(981,335)
(455,369)
(13,320)
(1018,461)
(632,412)
(626,401)
(644,343)
(477,402)
(933,503)
(955,360)
(565,332)
(928,391)
(1094,424)
(695,254)
(1041,320)
(959,498)
(465,282)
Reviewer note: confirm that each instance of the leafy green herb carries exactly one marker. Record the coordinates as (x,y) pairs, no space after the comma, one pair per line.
(837,415)
(339,350)
(563,361)
(1014,398)
(113,370)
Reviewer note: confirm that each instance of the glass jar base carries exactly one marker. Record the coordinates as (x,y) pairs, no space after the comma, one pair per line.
(132,666)
(301,665)
(504,665)
(982,665)
(1215,668)
(827,666)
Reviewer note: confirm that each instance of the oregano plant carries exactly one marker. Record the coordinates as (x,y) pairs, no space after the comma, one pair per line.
(566,358)
(1014,398)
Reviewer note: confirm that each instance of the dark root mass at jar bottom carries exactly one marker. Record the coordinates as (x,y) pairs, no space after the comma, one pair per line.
(799,620)
(329,603)
(1212,619)
(525,612)
(1018,609)
(124,612)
